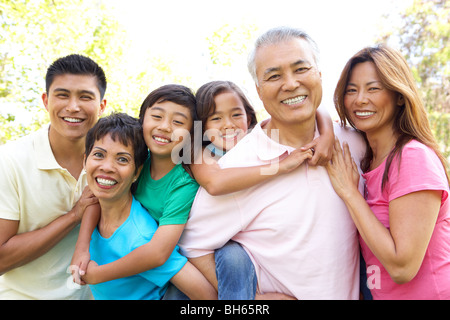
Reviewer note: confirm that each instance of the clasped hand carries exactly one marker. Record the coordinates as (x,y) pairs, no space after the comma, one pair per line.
(83,270)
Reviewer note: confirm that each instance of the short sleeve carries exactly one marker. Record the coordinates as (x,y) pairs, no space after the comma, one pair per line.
(162,274)
(419,169)
(179,202)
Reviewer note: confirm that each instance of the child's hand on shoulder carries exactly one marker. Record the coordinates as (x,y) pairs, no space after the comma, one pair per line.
(294,160)
(322,150)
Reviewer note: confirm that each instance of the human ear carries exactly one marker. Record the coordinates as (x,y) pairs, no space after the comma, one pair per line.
(102,107)
(45,100)
(138,172)
(400,100)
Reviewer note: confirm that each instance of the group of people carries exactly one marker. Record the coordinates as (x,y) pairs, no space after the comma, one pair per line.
(286,208)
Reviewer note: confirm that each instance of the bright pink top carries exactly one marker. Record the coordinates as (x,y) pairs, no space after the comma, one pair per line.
(420,169)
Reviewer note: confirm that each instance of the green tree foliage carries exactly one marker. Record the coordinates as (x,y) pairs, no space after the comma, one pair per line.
(36,32)
(227,42)
(228,47)
(423,37)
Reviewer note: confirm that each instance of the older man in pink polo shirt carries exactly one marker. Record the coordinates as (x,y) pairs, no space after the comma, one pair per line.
(295,228)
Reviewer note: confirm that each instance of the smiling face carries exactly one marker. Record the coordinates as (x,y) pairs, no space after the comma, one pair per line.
(229,123)
(110,169)
(369,105)
(165,125)
(74,105)
(289,82)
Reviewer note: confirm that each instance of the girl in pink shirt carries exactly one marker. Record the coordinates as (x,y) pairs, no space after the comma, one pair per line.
(404,220)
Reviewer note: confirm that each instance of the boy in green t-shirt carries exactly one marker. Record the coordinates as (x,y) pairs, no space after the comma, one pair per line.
(164,188)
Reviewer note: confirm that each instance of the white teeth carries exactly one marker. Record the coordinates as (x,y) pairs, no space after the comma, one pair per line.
(229,136)
(294,100)
(364,114)
(106,182)
(159,139)
(73,120)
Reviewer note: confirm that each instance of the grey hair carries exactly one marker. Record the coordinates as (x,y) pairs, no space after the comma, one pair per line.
(278,35)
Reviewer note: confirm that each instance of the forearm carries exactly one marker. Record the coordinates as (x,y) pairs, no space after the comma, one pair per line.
(373,232)
(148,256)
(23,248)
(193,283)
(207,266)
(324,122)
(88,224)
(230,180)
(139,260)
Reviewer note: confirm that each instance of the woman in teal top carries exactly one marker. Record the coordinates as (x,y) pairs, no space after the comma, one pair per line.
(137,230)
(115,154)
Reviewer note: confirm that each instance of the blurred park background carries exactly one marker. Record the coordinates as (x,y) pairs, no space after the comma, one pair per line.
(143,44)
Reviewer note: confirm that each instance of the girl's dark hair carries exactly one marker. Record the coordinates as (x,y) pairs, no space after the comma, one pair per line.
(206,105)
(78,65)
(123,127)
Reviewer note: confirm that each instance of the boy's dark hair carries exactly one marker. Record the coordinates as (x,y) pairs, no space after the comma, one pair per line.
(78,65)
(123,127)
(175,93)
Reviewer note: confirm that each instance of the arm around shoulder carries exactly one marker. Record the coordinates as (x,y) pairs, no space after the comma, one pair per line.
(19,249)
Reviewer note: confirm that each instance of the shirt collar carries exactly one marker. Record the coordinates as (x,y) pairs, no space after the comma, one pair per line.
(268,149)
(214,150)
(43,152)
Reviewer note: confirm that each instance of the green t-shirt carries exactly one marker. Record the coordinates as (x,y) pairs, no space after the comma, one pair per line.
(168,199)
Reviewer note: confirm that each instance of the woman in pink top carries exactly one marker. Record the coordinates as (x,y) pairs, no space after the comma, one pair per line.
(404,220)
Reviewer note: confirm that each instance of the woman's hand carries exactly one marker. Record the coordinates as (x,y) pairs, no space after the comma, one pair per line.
(343,171)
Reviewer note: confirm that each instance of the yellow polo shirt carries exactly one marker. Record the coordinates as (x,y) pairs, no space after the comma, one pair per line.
(36,190)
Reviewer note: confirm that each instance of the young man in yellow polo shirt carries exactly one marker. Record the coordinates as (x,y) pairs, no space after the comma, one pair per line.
(42,191)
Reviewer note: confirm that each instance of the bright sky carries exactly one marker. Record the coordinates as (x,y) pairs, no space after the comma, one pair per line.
(178,29)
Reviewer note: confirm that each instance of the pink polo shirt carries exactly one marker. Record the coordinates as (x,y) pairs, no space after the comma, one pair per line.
(295,228)
(420,169)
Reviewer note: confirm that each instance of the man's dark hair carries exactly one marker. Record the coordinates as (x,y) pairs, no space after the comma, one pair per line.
(78,65)
(123,127)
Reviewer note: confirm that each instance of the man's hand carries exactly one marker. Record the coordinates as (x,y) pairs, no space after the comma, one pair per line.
(87,198)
